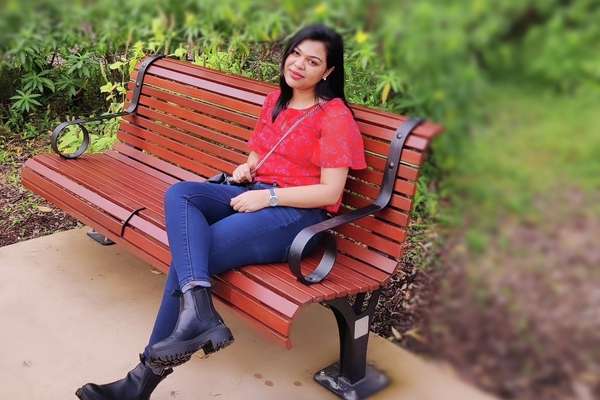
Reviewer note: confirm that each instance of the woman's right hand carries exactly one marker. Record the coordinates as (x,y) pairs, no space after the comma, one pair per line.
(242,173)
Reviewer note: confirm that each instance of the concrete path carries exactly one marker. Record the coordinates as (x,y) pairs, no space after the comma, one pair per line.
(74,311)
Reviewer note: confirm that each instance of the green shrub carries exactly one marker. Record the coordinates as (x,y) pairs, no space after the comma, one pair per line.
(68,59)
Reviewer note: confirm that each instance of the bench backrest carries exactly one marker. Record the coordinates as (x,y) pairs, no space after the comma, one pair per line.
(200,120)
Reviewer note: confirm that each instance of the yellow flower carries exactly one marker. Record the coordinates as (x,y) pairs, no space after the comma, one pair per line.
(321,9)
(190,19)
(361,37)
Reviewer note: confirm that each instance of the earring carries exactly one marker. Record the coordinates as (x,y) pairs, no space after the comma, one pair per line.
(324,78)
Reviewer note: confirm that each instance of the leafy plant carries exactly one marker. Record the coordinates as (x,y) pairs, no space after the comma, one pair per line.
(25,101)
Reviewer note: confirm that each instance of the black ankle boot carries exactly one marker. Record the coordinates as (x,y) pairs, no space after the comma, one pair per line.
(199,325)
(139,383)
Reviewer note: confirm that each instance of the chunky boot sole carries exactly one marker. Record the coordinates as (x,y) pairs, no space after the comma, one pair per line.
(178,353)
(82,395)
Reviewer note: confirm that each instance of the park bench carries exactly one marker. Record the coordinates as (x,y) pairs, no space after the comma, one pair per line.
(186,122)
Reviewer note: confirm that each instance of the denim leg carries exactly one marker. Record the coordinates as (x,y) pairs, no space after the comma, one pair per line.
(190,208)
(234,239)
(260,237)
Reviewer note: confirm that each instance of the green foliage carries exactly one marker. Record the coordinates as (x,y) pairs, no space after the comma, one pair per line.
(429,58)
(25,101)
(539,145)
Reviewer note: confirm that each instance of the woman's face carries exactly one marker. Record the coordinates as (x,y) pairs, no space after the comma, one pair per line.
(306,65)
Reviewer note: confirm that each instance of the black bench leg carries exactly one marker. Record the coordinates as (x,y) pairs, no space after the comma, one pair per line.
(100,238)
(351,377)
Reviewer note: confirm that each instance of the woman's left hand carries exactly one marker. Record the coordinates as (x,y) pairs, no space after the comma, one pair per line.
(251,200)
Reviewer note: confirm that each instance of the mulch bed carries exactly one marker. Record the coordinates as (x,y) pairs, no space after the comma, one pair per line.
(25,215)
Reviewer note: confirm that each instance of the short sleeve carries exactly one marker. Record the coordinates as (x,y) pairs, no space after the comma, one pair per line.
(341,143)
(263,118)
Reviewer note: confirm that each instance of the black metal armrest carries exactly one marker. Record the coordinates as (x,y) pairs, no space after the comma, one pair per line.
(383,199)
(131,109)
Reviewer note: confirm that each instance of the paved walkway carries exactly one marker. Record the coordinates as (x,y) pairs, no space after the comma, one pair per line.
(74,311)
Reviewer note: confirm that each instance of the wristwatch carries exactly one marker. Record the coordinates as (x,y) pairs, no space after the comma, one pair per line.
(273,199)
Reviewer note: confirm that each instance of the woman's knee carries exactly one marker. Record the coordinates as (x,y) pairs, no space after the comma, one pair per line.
(182,189)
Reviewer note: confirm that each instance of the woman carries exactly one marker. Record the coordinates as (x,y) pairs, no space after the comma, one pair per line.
(213,228)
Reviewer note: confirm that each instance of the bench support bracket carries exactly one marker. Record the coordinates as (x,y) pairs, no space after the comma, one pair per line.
(100,238)
(351,377)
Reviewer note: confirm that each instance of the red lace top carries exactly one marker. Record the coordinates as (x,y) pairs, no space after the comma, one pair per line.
(329,138)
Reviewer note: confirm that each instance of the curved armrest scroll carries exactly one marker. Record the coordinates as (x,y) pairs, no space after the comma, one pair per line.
(131,109)
(57,133)
(383,199)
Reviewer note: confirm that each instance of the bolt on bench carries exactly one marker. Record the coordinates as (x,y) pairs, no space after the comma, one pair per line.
(185,122)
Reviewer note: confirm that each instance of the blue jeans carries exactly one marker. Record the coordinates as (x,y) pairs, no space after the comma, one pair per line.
(207,237)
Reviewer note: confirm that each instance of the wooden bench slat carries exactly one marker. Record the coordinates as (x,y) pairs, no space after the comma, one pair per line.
(283,271)
(356,282)
(103,183)
(317,292)
(156,163)
(366,255)
(268,316)
(201,139)
(192,140)
(389,215)
(93,183)
(168,179)
(407,156)
(130,170)
(197,118)
(398,200)
(378,163)
(380,226)
(229,103)
(375,131)
(267,332)
(93,216)
(214,75)
(371,240)
(261,293)
(361,268)
(164,154)
(222,89)
(134,183)
(427,130)
(193,154)
(201,107)
(281,287)
(189,129)
(99,201)
(400,186)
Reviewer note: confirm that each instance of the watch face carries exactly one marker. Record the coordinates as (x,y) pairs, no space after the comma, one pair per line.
(273,200)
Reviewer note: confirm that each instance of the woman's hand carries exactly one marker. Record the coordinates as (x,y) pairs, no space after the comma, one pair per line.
(251,200)
(242,173)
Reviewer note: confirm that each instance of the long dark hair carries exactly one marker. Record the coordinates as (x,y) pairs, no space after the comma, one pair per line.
(326,89)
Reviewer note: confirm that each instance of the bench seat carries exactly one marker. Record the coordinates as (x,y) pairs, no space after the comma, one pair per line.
(103,189)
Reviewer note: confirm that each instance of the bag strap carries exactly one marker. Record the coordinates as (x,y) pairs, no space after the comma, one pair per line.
(316,108)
